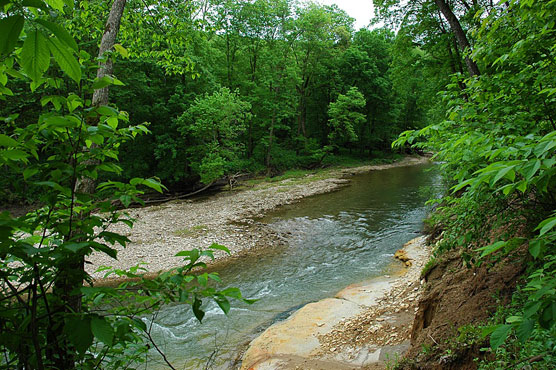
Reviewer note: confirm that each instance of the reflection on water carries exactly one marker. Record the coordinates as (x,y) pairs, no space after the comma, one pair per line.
(335,239)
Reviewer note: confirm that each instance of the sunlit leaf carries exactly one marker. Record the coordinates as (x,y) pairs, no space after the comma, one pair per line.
(35,55)
(65,59)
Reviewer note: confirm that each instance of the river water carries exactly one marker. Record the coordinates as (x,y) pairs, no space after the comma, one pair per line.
(335,239)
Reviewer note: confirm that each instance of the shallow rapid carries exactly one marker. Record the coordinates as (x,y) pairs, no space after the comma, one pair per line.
(334,240)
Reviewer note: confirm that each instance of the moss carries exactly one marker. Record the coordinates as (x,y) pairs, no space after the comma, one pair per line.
(428,267)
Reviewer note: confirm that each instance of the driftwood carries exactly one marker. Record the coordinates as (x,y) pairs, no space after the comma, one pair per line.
(182,196)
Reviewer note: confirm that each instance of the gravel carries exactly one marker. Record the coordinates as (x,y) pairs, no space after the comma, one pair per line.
(228,218)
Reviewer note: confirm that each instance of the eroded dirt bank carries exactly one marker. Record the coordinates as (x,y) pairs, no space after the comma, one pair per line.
(457,299)
(228,218)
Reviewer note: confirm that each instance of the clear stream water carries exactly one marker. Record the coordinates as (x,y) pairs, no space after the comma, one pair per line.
(335,239)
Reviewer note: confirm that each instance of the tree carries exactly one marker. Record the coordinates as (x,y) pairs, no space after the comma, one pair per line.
(460,35)
(498,145)
(366,64)
(48,303)
(315,31)
(345,117)
(424,20)
(214,123)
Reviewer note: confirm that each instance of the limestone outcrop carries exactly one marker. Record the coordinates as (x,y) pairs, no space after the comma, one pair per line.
(365,324)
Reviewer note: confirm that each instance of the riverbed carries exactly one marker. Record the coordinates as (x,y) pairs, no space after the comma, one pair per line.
(328,241)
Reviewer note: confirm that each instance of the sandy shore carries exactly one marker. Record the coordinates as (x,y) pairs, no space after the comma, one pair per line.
(228,218)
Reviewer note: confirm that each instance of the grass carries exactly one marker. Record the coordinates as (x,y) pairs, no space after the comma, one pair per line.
(302,176)
(428,267)
(191,231)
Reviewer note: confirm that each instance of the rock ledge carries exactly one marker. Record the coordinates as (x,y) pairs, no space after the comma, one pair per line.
(365,325)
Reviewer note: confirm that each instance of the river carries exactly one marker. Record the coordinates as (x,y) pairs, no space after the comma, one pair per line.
(334,240)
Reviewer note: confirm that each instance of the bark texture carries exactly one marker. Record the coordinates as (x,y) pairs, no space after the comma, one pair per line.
(105,68)
(459,33)
(100,96)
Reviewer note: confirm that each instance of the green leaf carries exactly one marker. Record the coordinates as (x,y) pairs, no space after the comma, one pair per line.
(535,247)
(10,28)
(56,4)
(104,81)
(139,324)
(546,225)
(522,186)
(65,59)
(29,172)
(548,316)
(223,303)
(79,333)
(534,167)
(232,292)
(75,247)
(202,279)
(14,155)
(499,335)
(105,110)
(504,172)
(102,330)
(60,32)
(487,330)
(219,247)
(463,184)
(153,184)
(35,55)
(524,330)
(126,200)
(197,311)
(61,122)
(7,141)
(112,122)
(35,4)
(531,308)
(489,249)
(120,49)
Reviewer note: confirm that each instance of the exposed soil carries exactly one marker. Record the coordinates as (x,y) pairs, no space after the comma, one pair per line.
(454,297)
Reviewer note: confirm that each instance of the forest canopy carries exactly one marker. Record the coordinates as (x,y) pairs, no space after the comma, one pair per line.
(285,62)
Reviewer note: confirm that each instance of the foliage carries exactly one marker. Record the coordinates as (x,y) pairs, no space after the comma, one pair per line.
(288,60)
(345,118)
(498,146)
(50,306)
(213,124)
(515,353)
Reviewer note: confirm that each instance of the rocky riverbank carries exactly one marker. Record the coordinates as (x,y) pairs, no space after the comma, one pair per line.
(228,218)
(366,325)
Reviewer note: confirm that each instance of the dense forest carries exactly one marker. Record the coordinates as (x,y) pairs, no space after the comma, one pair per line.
(102,101)
(232,87)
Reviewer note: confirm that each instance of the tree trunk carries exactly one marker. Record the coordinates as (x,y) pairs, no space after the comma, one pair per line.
(459,33)
(72,273)
(270,139)
(100,96)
